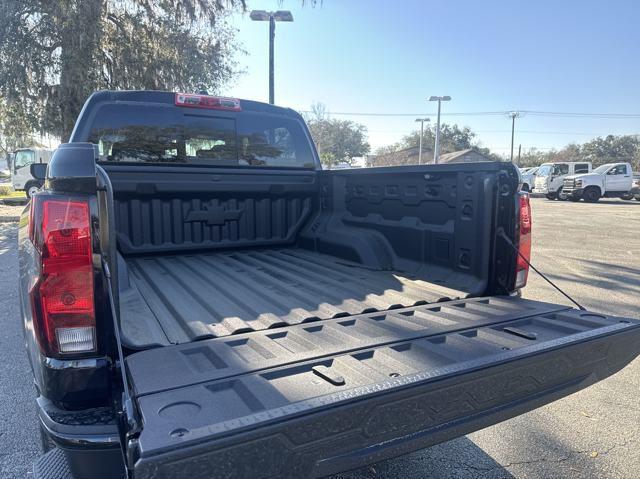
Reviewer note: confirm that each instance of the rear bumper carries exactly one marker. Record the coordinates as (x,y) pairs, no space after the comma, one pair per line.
(87,443)
(355,427)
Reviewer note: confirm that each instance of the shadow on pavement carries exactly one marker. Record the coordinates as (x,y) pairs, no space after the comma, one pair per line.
(460,458)
(607,201)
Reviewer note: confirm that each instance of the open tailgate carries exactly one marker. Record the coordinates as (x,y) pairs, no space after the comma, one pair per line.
(322,397)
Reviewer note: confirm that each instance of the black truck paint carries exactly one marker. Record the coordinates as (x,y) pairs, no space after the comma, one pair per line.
(257,320)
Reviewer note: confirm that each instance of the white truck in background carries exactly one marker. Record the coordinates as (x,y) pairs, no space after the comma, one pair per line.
(613,180)
(550,177)
(22,159)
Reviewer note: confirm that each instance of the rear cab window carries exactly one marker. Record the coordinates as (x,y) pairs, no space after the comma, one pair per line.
(168,135)
(581,168)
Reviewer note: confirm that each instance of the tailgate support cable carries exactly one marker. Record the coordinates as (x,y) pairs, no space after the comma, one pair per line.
(128,424)
(128,417)
(510,243)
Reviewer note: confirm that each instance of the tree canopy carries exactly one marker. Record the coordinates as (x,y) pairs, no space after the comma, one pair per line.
(337,141)
(601,150)
(53,55)
(452,138)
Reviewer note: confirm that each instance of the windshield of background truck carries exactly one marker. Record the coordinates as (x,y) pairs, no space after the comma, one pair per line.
(601,169)
(23,158)
(560,169)
(544,170)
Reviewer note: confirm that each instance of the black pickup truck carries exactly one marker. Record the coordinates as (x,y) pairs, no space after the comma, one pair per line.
(200,299)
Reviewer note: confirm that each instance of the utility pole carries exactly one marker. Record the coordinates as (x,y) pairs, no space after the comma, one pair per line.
(272,18)
(436,149)
(513,115)
(519,152)
(421,120)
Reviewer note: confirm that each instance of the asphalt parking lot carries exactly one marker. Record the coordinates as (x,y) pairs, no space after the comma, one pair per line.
(591,250)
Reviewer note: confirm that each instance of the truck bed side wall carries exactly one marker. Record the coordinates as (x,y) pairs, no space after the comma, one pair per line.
(433,222)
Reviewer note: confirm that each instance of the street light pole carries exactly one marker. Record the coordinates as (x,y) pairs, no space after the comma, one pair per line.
(421,120)
(272,37)
(272,18)
(436,149)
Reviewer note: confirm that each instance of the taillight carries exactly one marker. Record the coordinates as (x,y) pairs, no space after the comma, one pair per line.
(206,101)
(62,295)
(524,242)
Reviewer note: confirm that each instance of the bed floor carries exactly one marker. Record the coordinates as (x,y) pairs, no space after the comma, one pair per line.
(182,298)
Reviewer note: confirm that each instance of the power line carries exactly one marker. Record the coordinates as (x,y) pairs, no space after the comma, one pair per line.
(586,115)
(490,113)
(534,132)
(346,113)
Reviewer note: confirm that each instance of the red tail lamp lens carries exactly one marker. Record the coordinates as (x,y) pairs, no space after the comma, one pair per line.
(524,242)
(63,298)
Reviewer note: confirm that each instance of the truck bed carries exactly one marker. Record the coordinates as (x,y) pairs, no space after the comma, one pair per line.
(313,399)
(182,298)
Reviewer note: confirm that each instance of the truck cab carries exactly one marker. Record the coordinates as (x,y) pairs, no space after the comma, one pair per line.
(550,177)
(21,178)
(613,180)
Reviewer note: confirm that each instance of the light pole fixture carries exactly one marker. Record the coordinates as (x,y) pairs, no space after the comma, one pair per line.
(421,120)
(436,150)
(272,18)
(513,115)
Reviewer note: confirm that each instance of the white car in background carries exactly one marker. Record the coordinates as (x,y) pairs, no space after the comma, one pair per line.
(528,177)
(550,177)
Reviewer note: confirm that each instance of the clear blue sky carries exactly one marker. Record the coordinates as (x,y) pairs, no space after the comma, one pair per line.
(384,56)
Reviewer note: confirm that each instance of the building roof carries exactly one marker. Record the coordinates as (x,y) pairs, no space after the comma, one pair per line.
(409,156)
(468,155)
(406,156)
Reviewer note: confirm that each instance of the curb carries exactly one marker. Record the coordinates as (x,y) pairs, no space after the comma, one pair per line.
(14,201)
(9,219)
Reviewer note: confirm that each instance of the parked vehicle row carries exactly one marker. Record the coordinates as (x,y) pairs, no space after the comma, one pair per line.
(577,181)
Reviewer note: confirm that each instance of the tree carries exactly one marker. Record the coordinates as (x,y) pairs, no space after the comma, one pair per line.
(54,54)
(14,129)
(452,138)
(610,149)
(337,141)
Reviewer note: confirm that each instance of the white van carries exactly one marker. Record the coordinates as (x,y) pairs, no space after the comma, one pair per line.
(550,177)
(22,160)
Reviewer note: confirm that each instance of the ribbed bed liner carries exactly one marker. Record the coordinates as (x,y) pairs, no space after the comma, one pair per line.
(177,299)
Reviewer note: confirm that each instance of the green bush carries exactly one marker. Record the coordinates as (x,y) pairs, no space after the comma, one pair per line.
(6,190)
